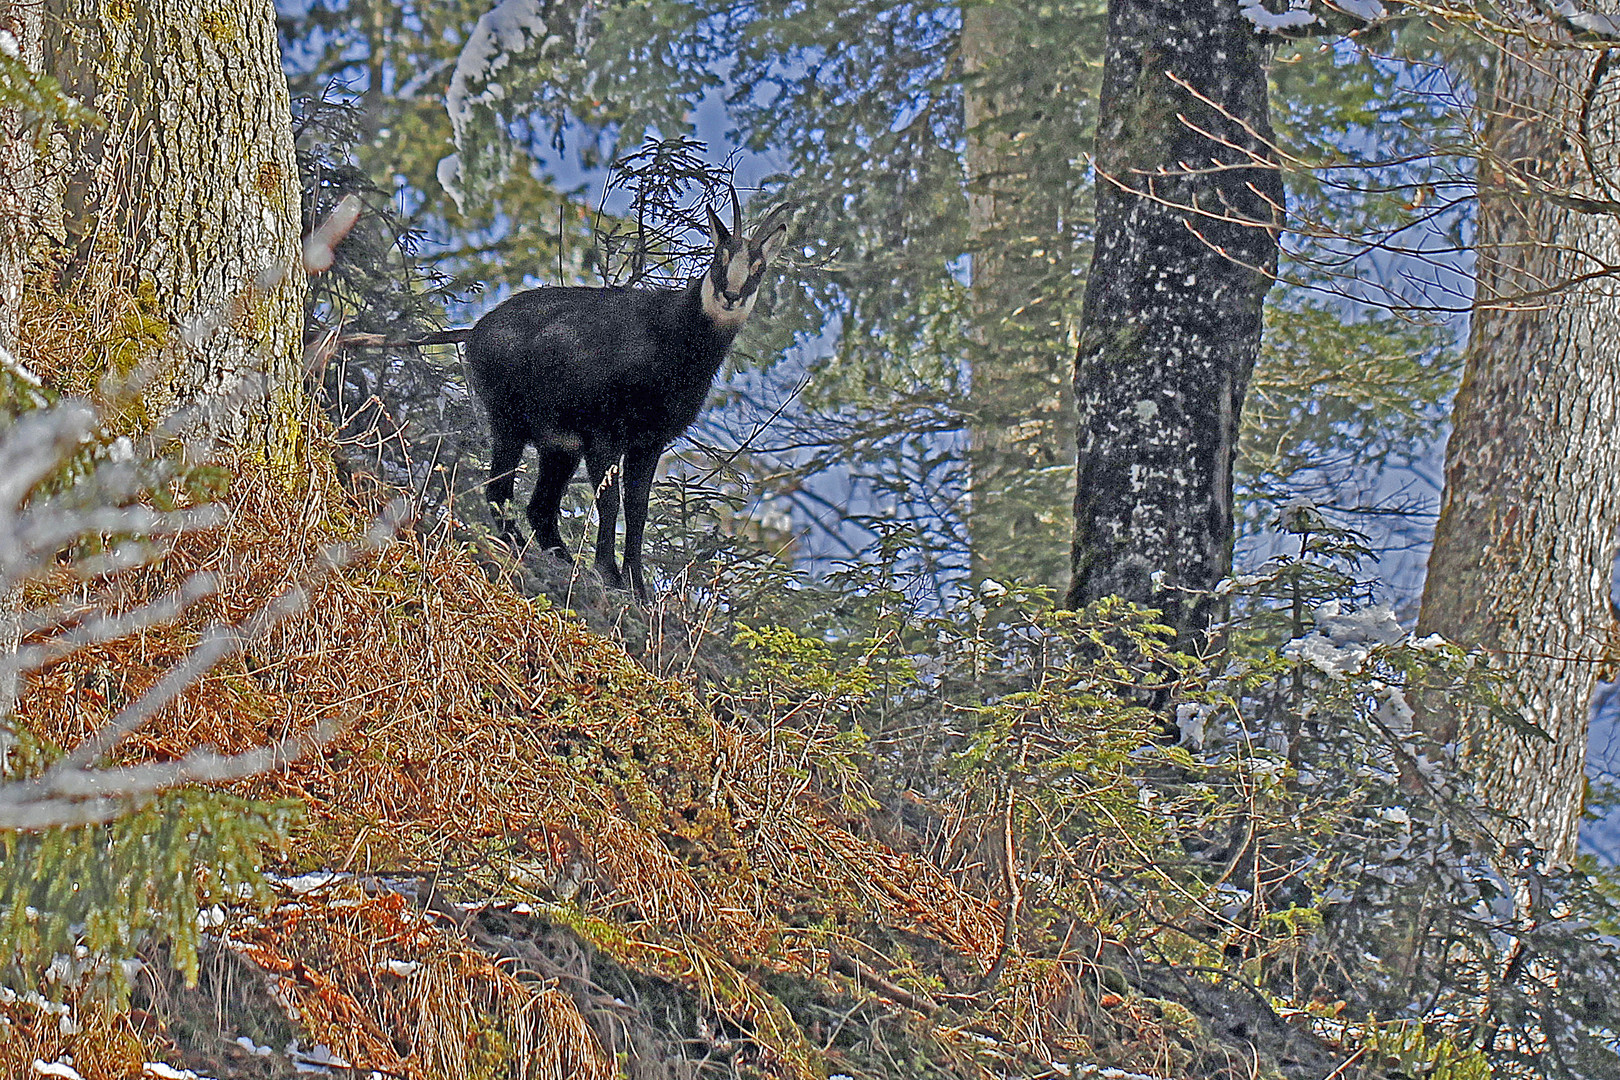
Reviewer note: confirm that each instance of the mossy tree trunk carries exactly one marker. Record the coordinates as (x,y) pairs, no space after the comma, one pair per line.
(1187,212)
(190,192)
(1020,401)
(1524,549)
(19,175)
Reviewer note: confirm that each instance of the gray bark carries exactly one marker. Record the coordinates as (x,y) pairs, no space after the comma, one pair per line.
(1525,545)
(189,195)
(1187,213)
(19,172)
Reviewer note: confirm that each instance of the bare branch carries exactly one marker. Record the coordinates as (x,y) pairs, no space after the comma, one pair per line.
(72,791)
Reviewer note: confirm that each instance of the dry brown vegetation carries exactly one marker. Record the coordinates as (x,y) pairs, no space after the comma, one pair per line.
(519,807)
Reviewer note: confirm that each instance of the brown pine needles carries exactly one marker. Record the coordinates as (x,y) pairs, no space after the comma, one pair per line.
(495,755)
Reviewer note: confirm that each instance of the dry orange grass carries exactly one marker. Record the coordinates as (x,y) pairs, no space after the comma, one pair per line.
(379,984)
(501,748)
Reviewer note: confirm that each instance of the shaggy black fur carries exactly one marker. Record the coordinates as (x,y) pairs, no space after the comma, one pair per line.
(608,374)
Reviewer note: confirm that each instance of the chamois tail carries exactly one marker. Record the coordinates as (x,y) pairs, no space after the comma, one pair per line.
(380,341)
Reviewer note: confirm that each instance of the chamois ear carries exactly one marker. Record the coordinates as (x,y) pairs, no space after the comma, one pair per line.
(717,229)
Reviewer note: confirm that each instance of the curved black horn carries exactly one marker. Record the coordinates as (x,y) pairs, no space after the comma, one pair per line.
(763,229)
(736,212)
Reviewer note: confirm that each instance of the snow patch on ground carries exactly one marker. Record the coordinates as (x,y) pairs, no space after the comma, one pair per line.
(318,1059)
(58,1069)
(253,1048)
(168,1072)
(307,883)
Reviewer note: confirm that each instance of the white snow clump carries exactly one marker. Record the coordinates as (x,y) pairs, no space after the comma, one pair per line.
(1590,21)
(1191,718)
(1369,11)
(509,27)
(1265,19)
(1343,640)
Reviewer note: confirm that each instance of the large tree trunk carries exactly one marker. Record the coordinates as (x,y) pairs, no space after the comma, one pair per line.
(1187,213)
(1525,545)
(19,173)
(189,193)
(1020,398)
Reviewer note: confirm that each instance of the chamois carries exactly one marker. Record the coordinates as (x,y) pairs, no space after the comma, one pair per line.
(609,374)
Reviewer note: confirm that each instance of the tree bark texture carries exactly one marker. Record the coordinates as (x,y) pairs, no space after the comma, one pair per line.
(191,192)
(1524,549)
(19,172)
(1188,208)
(1021,401)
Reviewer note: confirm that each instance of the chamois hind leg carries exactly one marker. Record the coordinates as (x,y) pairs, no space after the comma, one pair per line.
(504,457)
(545,506)
(602,460)
(639,468)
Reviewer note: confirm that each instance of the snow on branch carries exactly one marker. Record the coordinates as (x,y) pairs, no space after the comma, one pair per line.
(503,35)
(1580,21)
(1296,15)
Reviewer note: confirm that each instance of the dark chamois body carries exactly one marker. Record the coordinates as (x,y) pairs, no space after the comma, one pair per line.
(608,374)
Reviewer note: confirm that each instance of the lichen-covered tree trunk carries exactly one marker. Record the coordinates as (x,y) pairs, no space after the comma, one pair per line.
(1020,400)
(190,192)
(19,176)
(1525,545)
(1187,212)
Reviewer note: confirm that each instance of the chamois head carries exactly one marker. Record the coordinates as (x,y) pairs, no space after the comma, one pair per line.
(731,284)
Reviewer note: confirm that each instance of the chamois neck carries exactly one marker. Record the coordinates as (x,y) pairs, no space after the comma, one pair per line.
(691,339)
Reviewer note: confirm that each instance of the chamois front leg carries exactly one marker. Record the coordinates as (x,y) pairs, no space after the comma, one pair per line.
(504,456)
(640,466)
(602,461)
(557,467)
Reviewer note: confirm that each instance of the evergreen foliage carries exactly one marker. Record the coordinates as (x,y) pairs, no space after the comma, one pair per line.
(1249,862)
(872,413)
(79,899)
(1295,834)
(37,96)
(80,903)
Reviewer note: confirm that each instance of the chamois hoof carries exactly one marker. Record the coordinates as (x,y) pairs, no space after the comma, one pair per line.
(557,552)
(610,575)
